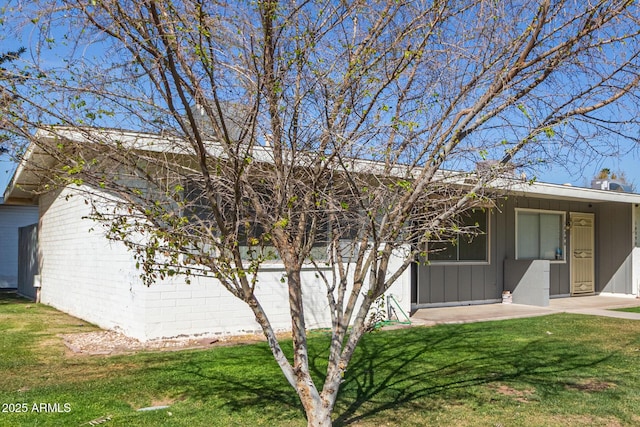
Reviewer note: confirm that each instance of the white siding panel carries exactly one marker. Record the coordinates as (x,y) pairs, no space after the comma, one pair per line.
(12,218)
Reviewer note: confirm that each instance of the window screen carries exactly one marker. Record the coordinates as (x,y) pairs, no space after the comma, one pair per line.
(539,235)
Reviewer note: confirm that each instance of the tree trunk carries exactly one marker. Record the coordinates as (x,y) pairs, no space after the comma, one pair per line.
(318,407)
(319,417)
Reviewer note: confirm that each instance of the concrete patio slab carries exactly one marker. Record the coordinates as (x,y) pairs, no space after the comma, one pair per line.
(597,305)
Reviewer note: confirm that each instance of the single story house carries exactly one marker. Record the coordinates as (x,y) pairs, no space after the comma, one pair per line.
(539,241)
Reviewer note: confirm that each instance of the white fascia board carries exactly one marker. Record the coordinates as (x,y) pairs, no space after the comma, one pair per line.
(566,192)
(165,144)
(110,137)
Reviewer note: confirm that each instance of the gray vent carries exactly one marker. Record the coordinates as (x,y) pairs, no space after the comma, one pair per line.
(610,185)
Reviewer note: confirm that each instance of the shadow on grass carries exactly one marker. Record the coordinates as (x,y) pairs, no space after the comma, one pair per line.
(445,362)
(421,366)
(10,296)
(234,378)
(391,369)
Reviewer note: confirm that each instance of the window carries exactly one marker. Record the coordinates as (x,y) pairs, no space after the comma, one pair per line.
(469,247)
(254,240)
(539,234)
(196,202)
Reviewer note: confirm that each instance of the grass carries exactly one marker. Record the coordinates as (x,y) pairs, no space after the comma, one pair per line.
(629,309)
(556,370)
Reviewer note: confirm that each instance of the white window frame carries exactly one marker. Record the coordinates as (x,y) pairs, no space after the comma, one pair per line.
(636,226)
(563,231)
(487,232)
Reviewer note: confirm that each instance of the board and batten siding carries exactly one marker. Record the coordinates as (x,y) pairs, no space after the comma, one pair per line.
(11,219)
(92,278)
(559,272)
(614,242)
(463,283)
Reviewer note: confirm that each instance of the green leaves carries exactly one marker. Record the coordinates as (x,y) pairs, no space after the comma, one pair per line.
(281,223)
(549,132)
(523,110)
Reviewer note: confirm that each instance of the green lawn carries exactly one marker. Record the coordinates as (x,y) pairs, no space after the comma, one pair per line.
(629,309)
(560,370)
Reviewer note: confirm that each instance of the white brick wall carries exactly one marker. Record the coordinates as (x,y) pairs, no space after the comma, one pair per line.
(82,272)
(89,277)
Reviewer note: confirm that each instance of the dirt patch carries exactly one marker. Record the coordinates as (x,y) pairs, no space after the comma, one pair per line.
(163,401)
(591,385)
(157,403)
(112,342)
(581,420)
(522,396)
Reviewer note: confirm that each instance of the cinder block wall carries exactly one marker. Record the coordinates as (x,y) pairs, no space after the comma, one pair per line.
(87,276)
(82,273)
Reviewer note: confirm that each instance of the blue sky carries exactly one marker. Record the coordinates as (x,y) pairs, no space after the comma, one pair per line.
(629,164)
(6,170)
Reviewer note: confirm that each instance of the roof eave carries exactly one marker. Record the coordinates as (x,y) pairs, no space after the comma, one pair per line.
(567,192)
(21,188)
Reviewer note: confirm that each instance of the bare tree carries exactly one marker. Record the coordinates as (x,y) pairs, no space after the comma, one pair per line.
(321,133)
(8,80)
